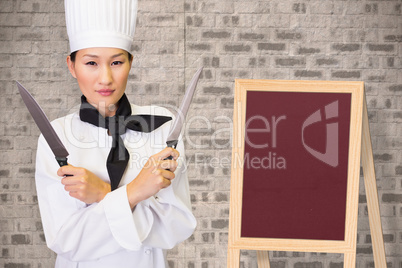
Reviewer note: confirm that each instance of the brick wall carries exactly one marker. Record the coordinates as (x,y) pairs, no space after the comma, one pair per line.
(317,40)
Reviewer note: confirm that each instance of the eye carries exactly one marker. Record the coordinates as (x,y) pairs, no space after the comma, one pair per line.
(91,63)
(117,62)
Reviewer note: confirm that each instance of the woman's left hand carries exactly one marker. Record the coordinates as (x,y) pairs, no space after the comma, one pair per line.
(83,184)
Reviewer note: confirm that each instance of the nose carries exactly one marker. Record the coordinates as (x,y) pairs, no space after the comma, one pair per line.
(105,75)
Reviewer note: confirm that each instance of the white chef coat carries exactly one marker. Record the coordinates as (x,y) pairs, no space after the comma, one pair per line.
(109,234)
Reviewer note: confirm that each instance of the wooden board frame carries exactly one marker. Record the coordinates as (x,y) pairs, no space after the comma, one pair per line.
(348,246)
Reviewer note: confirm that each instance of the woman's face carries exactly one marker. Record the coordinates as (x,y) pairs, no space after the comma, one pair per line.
(102,75)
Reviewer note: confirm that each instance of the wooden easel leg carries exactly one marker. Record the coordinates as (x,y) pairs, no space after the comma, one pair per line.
(263,259)
(349,260)
(233,258)
(372,194)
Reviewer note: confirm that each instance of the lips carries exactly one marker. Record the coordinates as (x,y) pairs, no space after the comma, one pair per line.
(105,92)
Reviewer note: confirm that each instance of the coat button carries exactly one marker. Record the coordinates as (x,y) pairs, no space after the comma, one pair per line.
(148,251)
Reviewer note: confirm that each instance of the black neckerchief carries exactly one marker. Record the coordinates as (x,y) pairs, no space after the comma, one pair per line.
(117,125)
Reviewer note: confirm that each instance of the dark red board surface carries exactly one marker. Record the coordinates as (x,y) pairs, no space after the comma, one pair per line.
(295,166)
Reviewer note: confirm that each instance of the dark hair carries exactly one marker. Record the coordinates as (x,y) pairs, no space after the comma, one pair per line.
(73,54)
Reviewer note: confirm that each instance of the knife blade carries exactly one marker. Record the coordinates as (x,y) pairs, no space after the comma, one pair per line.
(177,125)
(44,126)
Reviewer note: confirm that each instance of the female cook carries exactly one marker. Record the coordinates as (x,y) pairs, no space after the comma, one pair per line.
(119,203)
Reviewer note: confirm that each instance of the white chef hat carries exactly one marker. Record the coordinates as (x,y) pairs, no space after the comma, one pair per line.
(100,23)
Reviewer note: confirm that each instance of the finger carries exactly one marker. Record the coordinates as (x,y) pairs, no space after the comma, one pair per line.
(168,164)
(71,180)
(167,183)
(168,151)
(167,174)
(68,170)
(71,188)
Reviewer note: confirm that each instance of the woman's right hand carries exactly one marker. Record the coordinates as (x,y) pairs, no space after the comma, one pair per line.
(156,174)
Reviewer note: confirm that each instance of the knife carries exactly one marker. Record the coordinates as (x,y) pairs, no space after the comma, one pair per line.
(44,125)
(175,129)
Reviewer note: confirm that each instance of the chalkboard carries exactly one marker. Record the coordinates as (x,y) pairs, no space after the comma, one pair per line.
(295,166)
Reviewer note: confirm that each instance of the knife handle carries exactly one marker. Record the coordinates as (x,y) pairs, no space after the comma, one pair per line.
(62,161)
(172,144)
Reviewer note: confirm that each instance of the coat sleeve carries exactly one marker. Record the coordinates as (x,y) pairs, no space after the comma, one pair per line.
(169,218)
(81,232)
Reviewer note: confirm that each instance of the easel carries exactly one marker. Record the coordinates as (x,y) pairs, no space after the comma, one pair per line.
(236,243)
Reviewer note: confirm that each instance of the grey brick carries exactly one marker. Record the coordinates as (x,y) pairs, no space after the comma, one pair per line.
(273,20)
(251,7)
(20,239)
(5,253)
(299,8)
(211,62)
(207,74)
(171,7)
(288,35)
(398,170)
(381,47)
(33,6)
(16,130)
(17,265)
(346,74)
(336,265)
(308,265)
(229,75)
(257,62)
(382,157)
(240,20)
(4,173)
(391,9)
(162,20)
(221,197)
(290,7)
(327,62)
(208,237)
(6,33)
(290,62)
(251,36)
(227,102)
(364,250)
(6,6)
(237,48)
(346,21)
(19,19)
(216,34)
(272,46)
(196,21)
(371,8)
(393,38)
(219,224)
(196,183)
(217,90)
(278,264)
(395,88)
(388,238)
(392,198)
(199,47)
(346,47)
(15,47)
(210,6)
(6,198)
(390,62)
(308,50)
(6,143)
(308,73)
